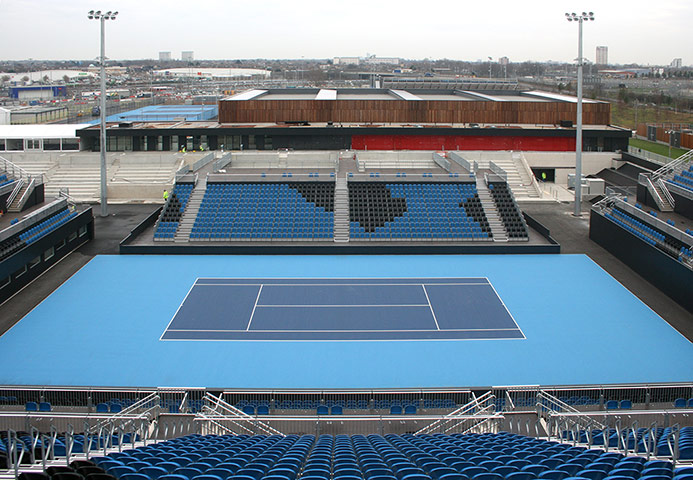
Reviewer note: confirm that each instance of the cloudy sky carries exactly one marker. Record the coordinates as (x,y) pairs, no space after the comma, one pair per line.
(639,31)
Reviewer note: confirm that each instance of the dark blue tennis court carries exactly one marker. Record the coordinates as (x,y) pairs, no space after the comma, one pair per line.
(342,309)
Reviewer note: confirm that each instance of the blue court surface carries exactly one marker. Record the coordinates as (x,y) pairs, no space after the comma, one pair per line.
(342,322)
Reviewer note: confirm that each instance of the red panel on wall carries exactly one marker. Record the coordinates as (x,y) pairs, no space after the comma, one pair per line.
(461,142)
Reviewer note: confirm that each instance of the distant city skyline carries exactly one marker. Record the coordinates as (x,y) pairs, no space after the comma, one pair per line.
(635,31)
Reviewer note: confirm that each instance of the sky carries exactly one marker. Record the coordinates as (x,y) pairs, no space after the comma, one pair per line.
(635,31)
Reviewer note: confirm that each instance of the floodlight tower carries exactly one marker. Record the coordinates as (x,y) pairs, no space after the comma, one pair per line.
(102,17)
(573,17)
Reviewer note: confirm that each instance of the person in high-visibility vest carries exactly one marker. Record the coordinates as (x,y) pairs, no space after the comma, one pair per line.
(165,195)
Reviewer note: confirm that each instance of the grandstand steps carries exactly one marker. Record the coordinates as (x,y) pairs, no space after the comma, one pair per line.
(16,206)
(190,214)
(494,220)
(526,176)
(81,182)
(341,210)
(665,205)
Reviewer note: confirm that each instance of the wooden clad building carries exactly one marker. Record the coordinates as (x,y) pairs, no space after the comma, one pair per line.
(386,106)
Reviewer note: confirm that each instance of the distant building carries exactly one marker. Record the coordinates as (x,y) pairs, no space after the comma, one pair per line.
(40,92)
(676,63)
(602,57)
(187,56)
(164,56)
(504,60)
(373,60)
(346,61)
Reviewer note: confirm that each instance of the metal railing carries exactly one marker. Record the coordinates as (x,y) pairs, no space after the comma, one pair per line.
(223,162)
(18,172)
(667,193)
(672,166)
(498,171)
(27,192)
(218,411)
(17,188)
(651,156)
(461,161)
(206,160)
(655,194)
(475,413)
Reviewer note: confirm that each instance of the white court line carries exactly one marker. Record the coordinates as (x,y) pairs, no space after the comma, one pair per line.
(174,315)
(341,306)
(254,307)
(430,306)
(508,311)
(328,284)
(358,331)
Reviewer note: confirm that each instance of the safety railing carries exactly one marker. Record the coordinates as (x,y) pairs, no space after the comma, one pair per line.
(667,194)
(18,172)
(223,162)
(498,171)
(217,410)
(672,166)
(27,192)
(461,161)
(552,409)
(474,412)
(15,191)
(204,161)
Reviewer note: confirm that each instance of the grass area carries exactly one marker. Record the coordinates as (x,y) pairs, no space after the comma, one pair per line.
(624,115)
(657,148)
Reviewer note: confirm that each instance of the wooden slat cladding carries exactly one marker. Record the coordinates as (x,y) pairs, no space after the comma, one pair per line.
(395,111)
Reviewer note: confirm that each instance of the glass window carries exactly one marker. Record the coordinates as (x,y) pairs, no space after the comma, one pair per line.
(4,281)
(15,144)
(35,261)
(82,230)
(60,244)
(50,253)
(72,236)
(70,143)
(2,144)
(51,144)
(32,144)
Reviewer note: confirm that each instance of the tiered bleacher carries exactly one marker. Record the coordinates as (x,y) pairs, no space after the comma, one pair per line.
(173,211)
(510,214)
(35,232)
(408,211)
(4,180)
(684,178)
(502,456)
(266,211)
(666,243)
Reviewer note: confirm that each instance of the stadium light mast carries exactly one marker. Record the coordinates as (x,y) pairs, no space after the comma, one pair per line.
(102,17)
(573,17)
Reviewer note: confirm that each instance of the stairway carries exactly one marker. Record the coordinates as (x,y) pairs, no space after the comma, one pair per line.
(190,214)
(527,177)
(341,209)
(664,205)
(494,220)
(16,206)
(519,179)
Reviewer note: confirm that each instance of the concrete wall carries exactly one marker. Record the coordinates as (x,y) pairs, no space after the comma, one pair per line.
(564,162)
